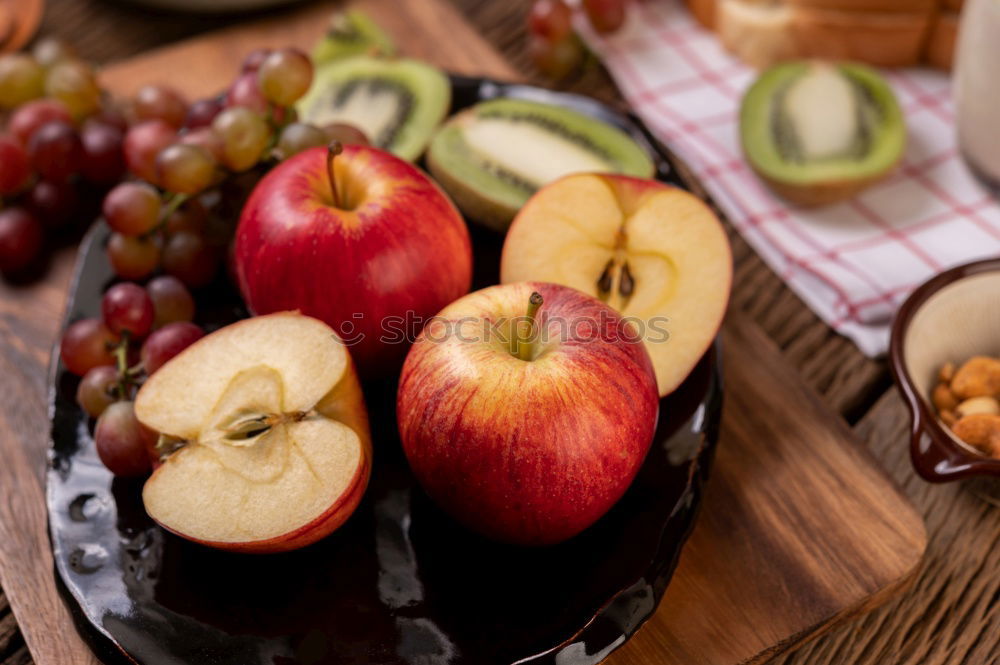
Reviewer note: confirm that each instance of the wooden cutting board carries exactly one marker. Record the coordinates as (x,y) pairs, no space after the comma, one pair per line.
(799,528)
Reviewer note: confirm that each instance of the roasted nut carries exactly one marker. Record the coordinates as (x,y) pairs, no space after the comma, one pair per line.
(947,372)
(979,376)
(943,398)
(978,405)
(947,417)
(981,430)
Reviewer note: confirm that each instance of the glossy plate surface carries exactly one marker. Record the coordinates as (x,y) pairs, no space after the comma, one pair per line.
(399,583)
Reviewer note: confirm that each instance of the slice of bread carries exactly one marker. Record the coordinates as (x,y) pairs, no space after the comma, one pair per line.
(764,34)
(880,6)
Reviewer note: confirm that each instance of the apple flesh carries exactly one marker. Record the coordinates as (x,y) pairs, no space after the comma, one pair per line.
(649,250)
(270,439)
(378,246)
(527,444)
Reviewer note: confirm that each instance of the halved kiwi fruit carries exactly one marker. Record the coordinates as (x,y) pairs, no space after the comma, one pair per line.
(396,102)
(820,132)
(493,156)
(352,32)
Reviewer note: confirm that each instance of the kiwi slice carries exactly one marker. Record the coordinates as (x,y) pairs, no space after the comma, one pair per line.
(396,102)
(352,32)
(493,156)
(820,132)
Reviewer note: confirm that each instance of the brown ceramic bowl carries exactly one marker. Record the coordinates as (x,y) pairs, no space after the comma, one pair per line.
(951,317)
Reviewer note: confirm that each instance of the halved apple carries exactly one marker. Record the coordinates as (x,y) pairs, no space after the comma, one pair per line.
(650,251)
(268,436)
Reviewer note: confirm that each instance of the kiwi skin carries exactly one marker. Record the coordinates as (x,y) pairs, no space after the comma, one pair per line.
(821,194)
(814,192)
(490,213)
(496,208)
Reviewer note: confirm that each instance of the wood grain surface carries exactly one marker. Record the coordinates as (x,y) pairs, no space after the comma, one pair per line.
(951,615)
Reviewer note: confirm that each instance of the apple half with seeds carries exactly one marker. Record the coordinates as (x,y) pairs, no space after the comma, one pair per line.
(265,436)
(655,253)
(819,132)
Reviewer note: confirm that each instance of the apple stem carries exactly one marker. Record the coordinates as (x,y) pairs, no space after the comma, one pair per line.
(525,348)
(332,150)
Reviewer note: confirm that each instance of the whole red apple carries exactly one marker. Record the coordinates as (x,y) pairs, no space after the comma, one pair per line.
(527,439)
(363,241)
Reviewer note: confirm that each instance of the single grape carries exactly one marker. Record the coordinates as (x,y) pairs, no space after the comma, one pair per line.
(550,19)
(556,59)
(26,120)
(20,239)
(143,143)
(606,16)
(132,208)
(299,136)
(285,76)
(254,59)
(202,113)
(346,134)
(103,162)
(191,217)
(50,50)
(96,391)
(167,342)
(55,150)
(206,138)
(14,166)
(133,257)
(109,115)
(160,102)
(245,135)
(21,80)
(54,203)
(86,344)
(246,92)
(172,302)
(185,169)
(126,307)
(73,83)
(190,259)
(123,443)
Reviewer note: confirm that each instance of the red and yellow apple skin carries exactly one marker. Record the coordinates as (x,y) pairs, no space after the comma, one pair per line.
(527,452)
(396,247)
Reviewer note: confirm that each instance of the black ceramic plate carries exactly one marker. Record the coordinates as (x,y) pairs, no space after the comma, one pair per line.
(400,582)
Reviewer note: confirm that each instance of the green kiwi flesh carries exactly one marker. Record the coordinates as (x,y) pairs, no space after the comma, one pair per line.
(819,132)
(493,156)
(396,102)
(352,32)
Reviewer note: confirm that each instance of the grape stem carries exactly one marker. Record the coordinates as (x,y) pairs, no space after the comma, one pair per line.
(120,352)
(332,150)
(173,202)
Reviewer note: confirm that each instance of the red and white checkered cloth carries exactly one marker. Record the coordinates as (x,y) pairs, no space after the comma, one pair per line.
(853,263)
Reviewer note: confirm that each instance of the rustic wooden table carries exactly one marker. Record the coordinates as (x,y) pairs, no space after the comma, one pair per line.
(952,613)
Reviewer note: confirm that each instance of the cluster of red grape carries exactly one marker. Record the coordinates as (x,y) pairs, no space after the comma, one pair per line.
(191,164)
(554,46)
(57,137)
(140,329)
(183,154)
